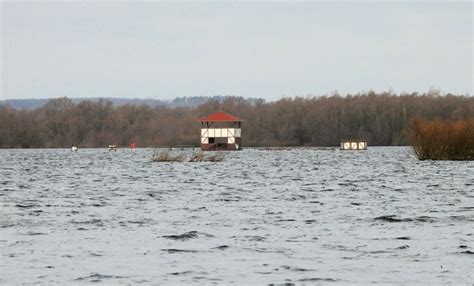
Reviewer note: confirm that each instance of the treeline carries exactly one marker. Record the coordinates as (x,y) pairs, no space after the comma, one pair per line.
(324,121)
(186,101)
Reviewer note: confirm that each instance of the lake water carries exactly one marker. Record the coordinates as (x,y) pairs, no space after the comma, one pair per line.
(259,217)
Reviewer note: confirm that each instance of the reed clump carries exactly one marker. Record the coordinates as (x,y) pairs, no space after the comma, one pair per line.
(199,156)
(216,157)
(213,157)
(442,140)
(167,156)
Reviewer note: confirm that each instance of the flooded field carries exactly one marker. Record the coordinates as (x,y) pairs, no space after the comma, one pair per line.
(259,217)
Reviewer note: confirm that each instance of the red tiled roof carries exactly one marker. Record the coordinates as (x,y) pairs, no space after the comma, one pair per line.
(220,116)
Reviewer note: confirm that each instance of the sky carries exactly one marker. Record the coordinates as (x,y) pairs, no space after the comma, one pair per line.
(265,49)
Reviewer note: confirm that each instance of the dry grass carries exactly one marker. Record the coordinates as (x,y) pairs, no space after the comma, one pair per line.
(199,156)
(167,156)
(442,140)
(216,157)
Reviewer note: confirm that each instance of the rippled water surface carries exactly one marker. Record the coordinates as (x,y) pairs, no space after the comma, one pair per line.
(259,217)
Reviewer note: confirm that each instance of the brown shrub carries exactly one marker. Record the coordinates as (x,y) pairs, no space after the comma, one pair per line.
(442,140)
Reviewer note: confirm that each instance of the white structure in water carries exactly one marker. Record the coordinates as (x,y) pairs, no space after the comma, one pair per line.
(221,131)
(353,145)
(229,133)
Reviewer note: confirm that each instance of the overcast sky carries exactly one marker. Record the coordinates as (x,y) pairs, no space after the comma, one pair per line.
(267,49)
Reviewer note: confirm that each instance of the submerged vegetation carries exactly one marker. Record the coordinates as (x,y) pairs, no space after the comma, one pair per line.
(182,156)
(442,140)
(378,118)
(167,156)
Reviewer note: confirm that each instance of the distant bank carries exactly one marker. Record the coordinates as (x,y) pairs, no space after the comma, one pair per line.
(379,119)
(193,101)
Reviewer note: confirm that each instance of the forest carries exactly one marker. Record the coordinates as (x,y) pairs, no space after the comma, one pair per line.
(378,118)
